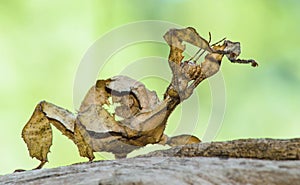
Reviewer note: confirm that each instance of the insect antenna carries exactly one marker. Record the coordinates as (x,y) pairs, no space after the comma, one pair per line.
(218,42)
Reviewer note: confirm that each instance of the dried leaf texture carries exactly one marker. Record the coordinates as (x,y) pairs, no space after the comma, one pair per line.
(120,114)
(37,133)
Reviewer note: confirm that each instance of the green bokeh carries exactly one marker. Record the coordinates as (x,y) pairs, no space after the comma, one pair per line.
(42,43)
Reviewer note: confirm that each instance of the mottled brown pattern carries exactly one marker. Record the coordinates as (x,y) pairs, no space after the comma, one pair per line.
(120,114)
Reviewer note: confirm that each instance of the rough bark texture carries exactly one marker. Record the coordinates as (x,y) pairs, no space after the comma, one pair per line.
(273,149)
(163,167)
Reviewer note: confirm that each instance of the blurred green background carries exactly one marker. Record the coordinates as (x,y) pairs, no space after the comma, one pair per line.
(43,42)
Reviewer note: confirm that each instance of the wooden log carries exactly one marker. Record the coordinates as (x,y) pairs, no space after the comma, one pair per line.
(183,165)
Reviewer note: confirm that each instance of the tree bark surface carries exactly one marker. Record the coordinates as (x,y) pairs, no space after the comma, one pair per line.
(272,149)
(249,161)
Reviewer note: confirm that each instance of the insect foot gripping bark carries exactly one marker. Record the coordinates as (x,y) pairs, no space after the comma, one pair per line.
(120,114)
